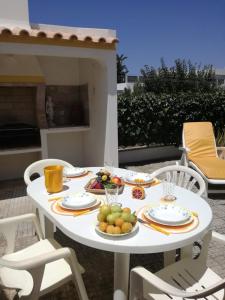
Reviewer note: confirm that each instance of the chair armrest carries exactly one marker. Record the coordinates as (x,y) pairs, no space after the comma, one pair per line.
(218,237)
(17,219)
(184,149)
(184,160)
(21,218)
(220,148)
(36,261)
(171,290)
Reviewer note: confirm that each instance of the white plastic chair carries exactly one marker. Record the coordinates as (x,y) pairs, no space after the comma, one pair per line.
(38,167)
(189,179)
(187,278)
(39,268)
(184,177)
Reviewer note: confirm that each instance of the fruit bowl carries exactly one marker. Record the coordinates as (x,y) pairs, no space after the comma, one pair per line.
(113,220)
(135,228)
(101,191)
(103,180)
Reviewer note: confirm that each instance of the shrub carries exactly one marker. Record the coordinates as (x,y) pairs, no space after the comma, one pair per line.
(147,119)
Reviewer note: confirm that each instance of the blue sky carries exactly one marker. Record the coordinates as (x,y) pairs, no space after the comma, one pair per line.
(147,29)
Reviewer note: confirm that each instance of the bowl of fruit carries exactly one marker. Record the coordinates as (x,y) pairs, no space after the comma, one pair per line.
(113,220)
(104,180)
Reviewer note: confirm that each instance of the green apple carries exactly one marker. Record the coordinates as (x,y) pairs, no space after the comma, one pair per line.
(115,208)
(126,216)
(105,210)
(110,219)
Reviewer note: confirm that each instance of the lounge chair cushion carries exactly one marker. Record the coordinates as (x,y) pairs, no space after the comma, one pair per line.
(200,140)
(199,146)
(211,167)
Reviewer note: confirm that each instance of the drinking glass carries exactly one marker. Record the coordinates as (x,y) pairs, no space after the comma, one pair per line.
(53,178)
(168,191)
(111,194)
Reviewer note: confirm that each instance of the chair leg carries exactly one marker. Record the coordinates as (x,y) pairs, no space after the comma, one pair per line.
(136,287)
(78,280)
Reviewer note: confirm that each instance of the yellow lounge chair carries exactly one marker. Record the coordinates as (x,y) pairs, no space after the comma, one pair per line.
(200,152)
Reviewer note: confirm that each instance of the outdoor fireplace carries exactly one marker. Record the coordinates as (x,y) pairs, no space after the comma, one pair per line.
(22,114)
(14,135)
(70,75)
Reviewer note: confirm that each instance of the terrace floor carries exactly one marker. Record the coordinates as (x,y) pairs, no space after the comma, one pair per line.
(13,201)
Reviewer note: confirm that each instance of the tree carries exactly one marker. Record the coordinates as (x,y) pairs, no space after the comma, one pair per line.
(121,68)
(182,77)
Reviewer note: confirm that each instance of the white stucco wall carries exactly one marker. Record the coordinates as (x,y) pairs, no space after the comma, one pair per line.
(67,146)
(93,73)
(14,12)
(59,70)
(19,65)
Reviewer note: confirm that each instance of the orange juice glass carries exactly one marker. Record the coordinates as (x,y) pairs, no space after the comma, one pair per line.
(53,178)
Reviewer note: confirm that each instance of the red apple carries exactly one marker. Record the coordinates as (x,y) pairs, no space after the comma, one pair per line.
(96,185)
(99,186)
(116,180)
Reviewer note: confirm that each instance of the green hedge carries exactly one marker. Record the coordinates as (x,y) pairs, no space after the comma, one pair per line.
(148,119)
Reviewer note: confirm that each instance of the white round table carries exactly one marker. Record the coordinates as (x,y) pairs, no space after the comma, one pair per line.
(144,240)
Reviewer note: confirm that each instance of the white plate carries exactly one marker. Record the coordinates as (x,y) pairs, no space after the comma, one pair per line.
(117,235)
(165,223)
(169,214)
(73,172)
(133,177)
(78,201)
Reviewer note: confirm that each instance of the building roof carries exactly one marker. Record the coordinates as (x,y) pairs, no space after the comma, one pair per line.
(220,71)
(60,35)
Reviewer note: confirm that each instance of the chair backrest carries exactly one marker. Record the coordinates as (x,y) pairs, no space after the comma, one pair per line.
(182,176)
(38,167)
(199,138)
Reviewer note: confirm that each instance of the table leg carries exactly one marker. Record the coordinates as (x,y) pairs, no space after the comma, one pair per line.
(121,276)
(169,257)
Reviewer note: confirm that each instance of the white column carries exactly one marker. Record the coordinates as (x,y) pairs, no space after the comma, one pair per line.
(111,139)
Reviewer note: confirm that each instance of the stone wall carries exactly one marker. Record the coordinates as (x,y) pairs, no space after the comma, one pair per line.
(17,105)
(70,105)
(23,103)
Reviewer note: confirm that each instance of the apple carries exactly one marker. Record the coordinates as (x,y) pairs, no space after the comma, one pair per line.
(96,185)
(99,186)
(117,180)
(105,210)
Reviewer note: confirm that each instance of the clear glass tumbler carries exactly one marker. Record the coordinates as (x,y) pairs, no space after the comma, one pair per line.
(111,194)
(168,191)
